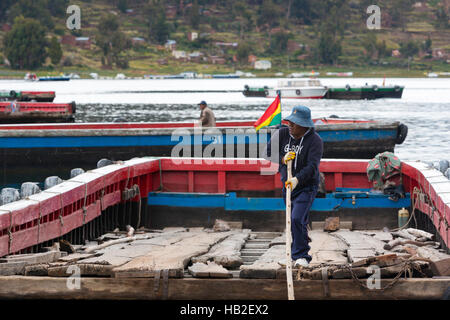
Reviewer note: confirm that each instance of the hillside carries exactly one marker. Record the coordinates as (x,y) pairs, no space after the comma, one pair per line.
(294,35)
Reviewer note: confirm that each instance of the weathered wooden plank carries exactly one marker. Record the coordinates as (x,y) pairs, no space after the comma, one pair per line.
(121,253)
(420,233)
(174,257)
(326,248)
(355,255)
(227,252)
(85,269)
(76,257)
(404,234)
(113,242)
(432,254)
(441,267)
(320,225)
(33,258)
(266,266)
(381,235)
(37,270)
(12,268)
(359,241)
(209,270)
(331,224)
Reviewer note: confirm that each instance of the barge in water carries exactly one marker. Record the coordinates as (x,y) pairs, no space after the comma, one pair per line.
(34,96)
(36,112)
(163,192)
(364,92)
(56,148)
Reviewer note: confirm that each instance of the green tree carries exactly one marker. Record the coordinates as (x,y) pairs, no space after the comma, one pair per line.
(54,51)
(112,41)
(4,7)
(370,44)
(409,49)
(57,8)
(441,19)
(301,11)
(194,15)
(159,29)
(278,42)
(427,45)
(329,46)
(122,5)
(35,9)
(399,12)
(242,53)
(25,45)
(269,14)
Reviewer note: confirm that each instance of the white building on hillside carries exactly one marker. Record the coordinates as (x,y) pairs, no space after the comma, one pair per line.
(263,65)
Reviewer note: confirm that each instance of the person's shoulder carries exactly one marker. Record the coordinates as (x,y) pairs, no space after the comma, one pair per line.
(283,130)
(317,137)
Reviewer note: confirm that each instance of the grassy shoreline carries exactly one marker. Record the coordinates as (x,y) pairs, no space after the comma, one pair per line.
(84,73)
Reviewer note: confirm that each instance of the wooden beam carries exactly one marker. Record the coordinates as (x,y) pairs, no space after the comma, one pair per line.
(21,287)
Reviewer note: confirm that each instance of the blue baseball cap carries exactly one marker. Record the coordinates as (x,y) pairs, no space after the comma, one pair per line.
(202,102)
(301,116)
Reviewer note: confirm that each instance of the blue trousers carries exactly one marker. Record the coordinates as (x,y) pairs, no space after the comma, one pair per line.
(300,206)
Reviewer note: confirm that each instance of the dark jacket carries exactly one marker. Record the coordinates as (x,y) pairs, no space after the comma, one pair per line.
(305,166)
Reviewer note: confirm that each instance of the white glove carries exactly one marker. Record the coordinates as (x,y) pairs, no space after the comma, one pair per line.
(292,183)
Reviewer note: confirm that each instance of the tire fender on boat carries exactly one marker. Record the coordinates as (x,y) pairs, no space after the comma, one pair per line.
(298,92)
(347,87)
(402,132)
(375,87)
(12,94)
(397,88)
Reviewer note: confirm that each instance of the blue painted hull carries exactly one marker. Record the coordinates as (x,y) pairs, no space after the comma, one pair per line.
(336,136)
(54,79)
(56,152)
(366,211)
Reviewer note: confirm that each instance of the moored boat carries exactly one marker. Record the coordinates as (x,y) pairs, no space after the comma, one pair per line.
(364,92)
(54,78)
(37,96)
(162,192)
(298,89)
(36,112)
(58,145)
(255,91)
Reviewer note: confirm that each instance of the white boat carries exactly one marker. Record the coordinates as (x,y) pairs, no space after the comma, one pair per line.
(298,89)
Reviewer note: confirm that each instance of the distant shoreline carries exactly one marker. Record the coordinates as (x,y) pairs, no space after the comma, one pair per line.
(10,74)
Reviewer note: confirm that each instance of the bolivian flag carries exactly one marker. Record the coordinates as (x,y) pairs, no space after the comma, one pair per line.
(271,117)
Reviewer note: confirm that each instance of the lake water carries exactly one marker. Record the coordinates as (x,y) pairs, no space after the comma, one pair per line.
(424,106)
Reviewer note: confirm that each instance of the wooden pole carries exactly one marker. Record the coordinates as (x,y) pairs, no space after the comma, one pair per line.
(290,284)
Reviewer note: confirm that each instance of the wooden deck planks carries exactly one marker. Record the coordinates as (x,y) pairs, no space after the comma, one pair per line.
(209,270)
(174,258)
(326,248)
(266,266)
(226,253)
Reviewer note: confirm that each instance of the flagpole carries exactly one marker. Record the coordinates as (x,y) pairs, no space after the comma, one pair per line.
(281,109)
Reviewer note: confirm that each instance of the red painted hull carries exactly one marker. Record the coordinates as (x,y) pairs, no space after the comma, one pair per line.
(23,107)
(53,213)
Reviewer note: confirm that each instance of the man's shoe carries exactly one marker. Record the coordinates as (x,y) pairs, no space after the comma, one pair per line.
(302,262)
